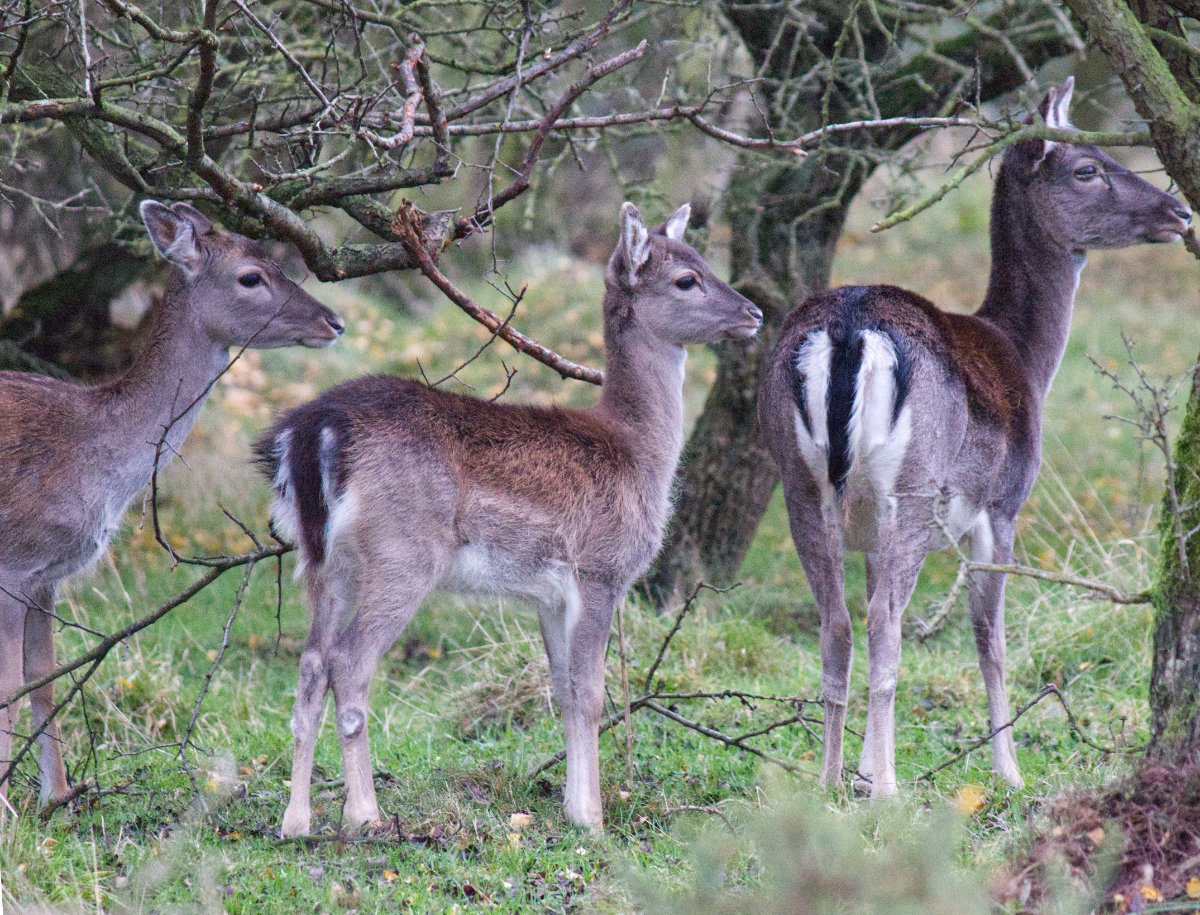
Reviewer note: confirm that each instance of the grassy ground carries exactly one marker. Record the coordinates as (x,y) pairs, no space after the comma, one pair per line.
(461,711)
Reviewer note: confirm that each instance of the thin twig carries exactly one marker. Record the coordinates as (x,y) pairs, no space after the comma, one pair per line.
(410,233)
(80,787)
(625,694)
(680,615)
(1048,690)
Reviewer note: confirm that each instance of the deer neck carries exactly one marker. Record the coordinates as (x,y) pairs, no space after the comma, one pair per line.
(1031,290)
(643,388)
(163,390)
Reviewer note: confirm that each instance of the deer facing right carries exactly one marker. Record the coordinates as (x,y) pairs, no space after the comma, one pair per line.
(392,489)
(899,427)
(72,457)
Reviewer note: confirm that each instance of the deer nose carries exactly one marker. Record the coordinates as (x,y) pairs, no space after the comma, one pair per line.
(1182,212)
(336,322)
(755,313)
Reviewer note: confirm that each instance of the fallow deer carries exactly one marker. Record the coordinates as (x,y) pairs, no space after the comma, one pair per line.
(72,457)
(899,427)
(392,489)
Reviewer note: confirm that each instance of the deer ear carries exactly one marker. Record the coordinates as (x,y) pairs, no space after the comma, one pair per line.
(1054,111)
(635,242)
(173,234)
(201,223)
(674,227)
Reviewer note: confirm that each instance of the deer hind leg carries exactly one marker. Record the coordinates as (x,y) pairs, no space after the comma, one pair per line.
(818,540)
(39,661)
(325,610)
(864,777)
(386,603)
(895,573)
(992,541)
(12,630)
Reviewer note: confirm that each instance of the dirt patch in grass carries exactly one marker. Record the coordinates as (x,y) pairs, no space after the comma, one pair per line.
(1132,844)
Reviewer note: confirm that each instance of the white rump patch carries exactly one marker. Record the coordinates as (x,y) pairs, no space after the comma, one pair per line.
(342,512)
(877,446)
(812,361)
(284,516)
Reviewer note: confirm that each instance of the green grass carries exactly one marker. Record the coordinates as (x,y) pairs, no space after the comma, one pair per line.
(460,709)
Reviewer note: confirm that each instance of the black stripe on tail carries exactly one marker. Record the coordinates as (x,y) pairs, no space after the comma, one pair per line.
(844,363)
(310,459)
(856,311)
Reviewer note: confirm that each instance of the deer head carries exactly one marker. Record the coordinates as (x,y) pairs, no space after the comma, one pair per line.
(238,293)
(1086,199)
(669,290)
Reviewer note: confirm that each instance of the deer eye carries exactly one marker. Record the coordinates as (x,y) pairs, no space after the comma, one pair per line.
(1084,172)
(685,282)
(250,280)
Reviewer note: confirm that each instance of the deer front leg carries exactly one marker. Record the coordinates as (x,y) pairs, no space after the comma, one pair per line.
(39,661)
(992,541)
(587,641)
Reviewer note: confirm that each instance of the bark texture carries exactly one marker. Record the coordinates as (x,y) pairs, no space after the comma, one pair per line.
(65,322)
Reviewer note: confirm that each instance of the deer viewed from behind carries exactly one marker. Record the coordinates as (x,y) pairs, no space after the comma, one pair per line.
(392,489)
(72,458)
(899,427)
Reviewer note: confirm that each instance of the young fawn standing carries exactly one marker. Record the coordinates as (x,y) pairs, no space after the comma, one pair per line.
(72,458)
(899,427)
(392,489)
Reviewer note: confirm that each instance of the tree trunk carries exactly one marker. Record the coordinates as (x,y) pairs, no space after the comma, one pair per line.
(1164,91)
(785,229)
(1175,675)
(65,321)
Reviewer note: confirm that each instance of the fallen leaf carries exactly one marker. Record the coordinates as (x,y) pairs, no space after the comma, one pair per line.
(1151,894)
(1193,887)
(970,799)
(519,821)
(1096,835)
(390,876)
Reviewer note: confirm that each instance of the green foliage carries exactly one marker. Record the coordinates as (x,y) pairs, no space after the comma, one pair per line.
(798,857)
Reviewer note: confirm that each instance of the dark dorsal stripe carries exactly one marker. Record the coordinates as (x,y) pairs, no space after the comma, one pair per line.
(844,363)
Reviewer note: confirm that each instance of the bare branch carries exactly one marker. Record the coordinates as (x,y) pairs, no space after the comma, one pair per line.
(409,230)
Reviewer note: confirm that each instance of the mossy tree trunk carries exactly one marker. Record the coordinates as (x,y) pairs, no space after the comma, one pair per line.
(1145,45)
(787,215)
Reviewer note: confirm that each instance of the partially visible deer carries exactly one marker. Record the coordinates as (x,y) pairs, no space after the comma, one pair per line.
(72,458)
(392,489)
(899,427)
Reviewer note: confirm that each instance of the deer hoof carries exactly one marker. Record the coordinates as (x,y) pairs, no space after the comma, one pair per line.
(296,822)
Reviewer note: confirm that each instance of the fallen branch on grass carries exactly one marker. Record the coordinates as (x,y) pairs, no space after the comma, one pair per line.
(1045,692)
(652,699)
(945,606)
